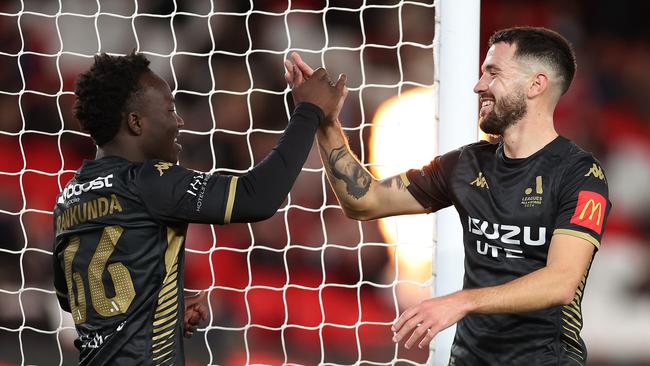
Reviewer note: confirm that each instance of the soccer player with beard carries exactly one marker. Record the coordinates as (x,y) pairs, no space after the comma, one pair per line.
(533,209)
(120,222)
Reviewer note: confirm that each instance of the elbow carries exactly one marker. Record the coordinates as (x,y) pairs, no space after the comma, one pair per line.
(265,213)
(566,295)
(253,212)
(359,214)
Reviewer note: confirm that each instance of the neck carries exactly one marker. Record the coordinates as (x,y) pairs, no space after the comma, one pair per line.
(123,150)
(529,135)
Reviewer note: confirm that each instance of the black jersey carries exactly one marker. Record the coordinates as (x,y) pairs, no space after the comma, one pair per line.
(119,238)
(120,230)
(509,210)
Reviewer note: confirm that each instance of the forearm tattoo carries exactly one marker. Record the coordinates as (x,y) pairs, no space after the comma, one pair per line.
(391,182)
(342,166)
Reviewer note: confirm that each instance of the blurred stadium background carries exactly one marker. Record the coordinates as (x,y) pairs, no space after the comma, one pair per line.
(606,111)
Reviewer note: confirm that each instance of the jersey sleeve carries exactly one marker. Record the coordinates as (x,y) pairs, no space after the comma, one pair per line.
(173,193)
(429,185)
(584,203)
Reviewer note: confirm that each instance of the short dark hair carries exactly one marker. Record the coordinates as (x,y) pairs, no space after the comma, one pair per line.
(542,44)
(104,91)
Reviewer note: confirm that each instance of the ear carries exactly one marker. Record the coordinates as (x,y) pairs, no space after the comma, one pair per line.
(538,86)
(133,121)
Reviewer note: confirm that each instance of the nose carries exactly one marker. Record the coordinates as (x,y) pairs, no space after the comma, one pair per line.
(481,85)
(179,121)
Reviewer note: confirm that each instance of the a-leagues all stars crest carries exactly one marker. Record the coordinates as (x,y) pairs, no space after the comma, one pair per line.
(533,196)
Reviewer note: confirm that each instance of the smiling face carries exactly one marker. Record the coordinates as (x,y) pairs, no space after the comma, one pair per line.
(158,119)
(501,90)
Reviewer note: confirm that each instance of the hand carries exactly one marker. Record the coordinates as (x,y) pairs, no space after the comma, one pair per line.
(297,70)
(315,87)
(196,309)
(427,319)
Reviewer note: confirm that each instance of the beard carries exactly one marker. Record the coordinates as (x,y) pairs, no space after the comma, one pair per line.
(505,113)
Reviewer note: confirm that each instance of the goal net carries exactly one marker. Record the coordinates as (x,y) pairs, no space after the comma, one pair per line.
(307,286)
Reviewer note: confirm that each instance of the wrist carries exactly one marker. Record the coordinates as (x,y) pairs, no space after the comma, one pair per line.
(466,301)
(308,107)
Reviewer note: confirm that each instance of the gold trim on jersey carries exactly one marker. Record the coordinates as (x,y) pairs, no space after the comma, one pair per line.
(166,314)
(405,179)
(572,324)
(163,355)
(578,234)
(230,203)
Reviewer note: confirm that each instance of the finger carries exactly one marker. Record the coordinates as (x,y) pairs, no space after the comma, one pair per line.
(193,321)
(302,65)
(320,73)
(427,338)
(407,328)
(298,78)
(340,84)
(288,75)
(203,311)
(406,315)
(418,333)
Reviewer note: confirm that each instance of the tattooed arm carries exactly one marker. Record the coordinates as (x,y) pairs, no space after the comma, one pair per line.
(361,196)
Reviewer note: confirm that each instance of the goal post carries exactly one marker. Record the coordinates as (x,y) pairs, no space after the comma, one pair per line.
(457,60)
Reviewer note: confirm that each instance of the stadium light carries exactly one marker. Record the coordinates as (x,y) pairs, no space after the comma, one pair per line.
(403,136)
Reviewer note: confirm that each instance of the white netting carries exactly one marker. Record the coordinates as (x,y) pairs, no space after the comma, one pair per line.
(307,286)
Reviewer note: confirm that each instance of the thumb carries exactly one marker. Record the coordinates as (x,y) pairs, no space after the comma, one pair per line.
(340,84)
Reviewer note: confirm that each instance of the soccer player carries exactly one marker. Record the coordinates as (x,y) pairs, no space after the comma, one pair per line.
(533,209)
(120,223)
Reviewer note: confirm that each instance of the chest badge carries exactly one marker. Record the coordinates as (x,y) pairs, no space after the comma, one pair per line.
(533,198)
(480,181)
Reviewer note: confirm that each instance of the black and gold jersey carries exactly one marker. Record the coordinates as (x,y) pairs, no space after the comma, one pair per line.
(119,242)
(120,231)
(509,210)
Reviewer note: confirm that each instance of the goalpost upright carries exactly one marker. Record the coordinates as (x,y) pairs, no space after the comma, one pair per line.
(456,60)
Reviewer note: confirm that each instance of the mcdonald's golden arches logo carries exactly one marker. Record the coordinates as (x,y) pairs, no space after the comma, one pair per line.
(590,211)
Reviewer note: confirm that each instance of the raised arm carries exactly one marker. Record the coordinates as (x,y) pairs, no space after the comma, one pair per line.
(362,196)
(173,193)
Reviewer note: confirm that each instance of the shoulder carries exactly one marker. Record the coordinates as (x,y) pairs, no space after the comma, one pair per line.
(152,172)
(478,148)
(581,162)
